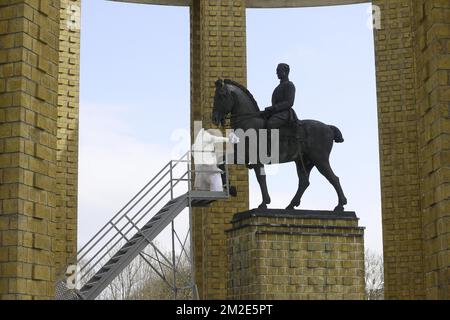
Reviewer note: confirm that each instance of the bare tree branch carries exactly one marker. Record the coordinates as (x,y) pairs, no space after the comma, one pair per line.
(374,276)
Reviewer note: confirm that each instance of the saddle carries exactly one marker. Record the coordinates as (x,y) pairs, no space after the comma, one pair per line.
(294,129)
(293,138)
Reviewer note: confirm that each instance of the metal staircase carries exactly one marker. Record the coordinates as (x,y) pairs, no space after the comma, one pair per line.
(135,227)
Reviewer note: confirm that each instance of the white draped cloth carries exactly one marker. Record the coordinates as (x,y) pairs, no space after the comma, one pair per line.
(207,174)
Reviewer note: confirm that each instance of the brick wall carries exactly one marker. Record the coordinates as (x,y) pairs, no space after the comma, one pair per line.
(432,50)
(65,244)
(218,49)
(399,158)
(29,31)
(413,62)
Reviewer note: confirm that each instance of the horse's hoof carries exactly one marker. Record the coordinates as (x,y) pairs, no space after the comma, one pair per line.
(339,208)
(262,206)
(290,207)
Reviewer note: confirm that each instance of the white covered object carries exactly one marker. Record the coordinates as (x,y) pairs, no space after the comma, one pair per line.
(208,175)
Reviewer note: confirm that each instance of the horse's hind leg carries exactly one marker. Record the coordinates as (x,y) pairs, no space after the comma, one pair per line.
(261,177)
(303,182)
(325,169)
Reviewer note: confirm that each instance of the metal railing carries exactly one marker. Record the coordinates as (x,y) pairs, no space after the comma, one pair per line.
(139,210)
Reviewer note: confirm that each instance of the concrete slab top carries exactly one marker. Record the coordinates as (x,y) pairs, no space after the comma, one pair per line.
(302,214)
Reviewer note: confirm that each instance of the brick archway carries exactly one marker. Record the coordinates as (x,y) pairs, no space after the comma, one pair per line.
(39,80)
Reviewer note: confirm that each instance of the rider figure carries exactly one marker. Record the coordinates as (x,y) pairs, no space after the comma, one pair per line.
(281,111)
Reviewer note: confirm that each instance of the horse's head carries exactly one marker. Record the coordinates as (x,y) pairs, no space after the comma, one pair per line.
(223,103)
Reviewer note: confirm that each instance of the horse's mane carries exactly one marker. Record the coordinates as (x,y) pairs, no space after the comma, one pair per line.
(245,90)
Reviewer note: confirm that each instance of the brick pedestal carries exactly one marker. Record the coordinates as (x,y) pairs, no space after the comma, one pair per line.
(274,254)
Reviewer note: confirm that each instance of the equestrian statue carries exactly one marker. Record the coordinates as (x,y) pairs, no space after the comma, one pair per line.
(306,142)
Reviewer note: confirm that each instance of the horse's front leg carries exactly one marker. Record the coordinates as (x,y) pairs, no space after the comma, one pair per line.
(261,177)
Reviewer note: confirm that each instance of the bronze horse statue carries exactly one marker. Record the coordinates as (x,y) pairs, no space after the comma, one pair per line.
(234,101)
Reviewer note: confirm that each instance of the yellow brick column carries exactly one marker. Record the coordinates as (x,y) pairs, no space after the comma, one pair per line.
(65,244)
(432,48)
(413,62)
(218,49)
(398,136)
(29,31)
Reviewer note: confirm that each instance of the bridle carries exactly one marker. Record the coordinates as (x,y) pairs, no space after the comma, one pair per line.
(237,118)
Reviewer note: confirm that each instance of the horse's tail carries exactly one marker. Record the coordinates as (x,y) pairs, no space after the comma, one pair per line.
(338,138)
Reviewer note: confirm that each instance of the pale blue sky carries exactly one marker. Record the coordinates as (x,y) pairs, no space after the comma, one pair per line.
(135,66)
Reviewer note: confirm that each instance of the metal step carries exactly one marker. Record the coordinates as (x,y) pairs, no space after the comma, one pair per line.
(131,242)
(142,238)
(146,227)
(131,249)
